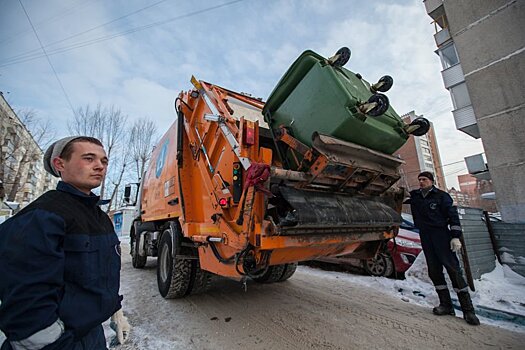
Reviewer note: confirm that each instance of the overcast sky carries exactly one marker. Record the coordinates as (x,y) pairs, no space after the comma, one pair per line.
(138,54)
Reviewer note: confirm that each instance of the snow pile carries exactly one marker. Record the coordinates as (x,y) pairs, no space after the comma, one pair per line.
(502,289)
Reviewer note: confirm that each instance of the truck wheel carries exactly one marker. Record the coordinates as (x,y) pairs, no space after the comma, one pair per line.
(273,274)
(201,278)
(381,265)
(289,270)
(137,261)
(173,275)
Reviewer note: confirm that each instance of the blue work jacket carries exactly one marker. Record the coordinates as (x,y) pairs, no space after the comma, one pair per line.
(59,260)
(435,211)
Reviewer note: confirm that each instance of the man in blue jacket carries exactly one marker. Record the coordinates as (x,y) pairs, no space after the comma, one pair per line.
(439,227)
(60,259)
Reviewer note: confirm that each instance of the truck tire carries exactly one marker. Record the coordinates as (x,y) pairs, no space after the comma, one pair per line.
(273,274)
(137,261)
(289,270)
(173,275)
(201,279)
(381,265)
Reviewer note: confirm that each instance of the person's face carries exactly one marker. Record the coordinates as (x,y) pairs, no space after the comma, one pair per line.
(86,168)
(424,182)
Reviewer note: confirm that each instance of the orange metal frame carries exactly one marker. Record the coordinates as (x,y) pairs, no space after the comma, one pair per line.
(190,192)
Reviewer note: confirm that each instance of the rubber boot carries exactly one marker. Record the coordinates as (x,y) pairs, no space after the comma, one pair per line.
(445,303)
(467,308)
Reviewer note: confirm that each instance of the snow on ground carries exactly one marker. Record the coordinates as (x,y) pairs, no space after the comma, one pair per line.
(502,289)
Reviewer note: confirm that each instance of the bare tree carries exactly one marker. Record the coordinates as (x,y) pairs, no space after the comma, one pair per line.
(141,141)
(108,124)
(117,179)
(22,149)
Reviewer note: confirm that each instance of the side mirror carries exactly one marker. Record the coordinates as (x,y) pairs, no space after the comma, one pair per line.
(127,193)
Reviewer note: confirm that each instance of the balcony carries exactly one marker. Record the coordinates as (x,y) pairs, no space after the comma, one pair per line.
(466,121)
(453,76)
(476,164)
(434,8)
(442,37)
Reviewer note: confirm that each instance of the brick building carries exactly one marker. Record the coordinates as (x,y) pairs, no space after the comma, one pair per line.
(474,188)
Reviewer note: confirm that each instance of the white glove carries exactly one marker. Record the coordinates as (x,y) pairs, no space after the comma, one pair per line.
(455,245)
(119,323)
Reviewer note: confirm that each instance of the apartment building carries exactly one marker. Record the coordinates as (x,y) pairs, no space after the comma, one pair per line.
(481,45)
(22,172)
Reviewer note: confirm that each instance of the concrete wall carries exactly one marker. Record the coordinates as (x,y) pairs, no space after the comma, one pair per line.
(490,41)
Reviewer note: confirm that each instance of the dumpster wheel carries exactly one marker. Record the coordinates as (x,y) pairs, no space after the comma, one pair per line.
(384,84)
(376,105)
(418,127)
(341,57)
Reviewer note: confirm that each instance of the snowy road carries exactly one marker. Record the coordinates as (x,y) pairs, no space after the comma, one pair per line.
(309,311)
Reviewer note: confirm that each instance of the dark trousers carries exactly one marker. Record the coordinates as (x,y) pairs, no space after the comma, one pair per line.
(436,247)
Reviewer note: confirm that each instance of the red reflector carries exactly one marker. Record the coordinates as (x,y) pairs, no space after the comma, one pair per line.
(249,137)
(223,202)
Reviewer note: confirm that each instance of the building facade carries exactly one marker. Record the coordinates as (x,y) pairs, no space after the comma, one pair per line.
(420,154)
(481,44)
(460,198)
(22,173)
(475,188)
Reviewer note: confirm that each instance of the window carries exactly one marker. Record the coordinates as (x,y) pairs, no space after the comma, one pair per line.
(449,56)
(460,96)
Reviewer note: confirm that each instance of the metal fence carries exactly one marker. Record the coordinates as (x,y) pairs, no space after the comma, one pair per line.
(510,244)
(479,256)
(485,241)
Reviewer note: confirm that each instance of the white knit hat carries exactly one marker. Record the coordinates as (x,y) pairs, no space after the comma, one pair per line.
(55,150)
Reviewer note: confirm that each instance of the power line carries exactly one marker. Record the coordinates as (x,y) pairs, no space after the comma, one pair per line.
(455,172)
(30,52)
(16,35)
(448,174)
(48,60)
(112,36)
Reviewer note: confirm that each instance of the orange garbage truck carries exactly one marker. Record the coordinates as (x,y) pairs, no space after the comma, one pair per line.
(230,191)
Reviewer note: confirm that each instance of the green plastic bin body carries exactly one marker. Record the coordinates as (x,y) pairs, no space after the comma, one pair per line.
(314,96)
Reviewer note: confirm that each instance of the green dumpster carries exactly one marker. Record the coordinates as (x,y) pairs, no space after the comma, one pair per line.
(314,96)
